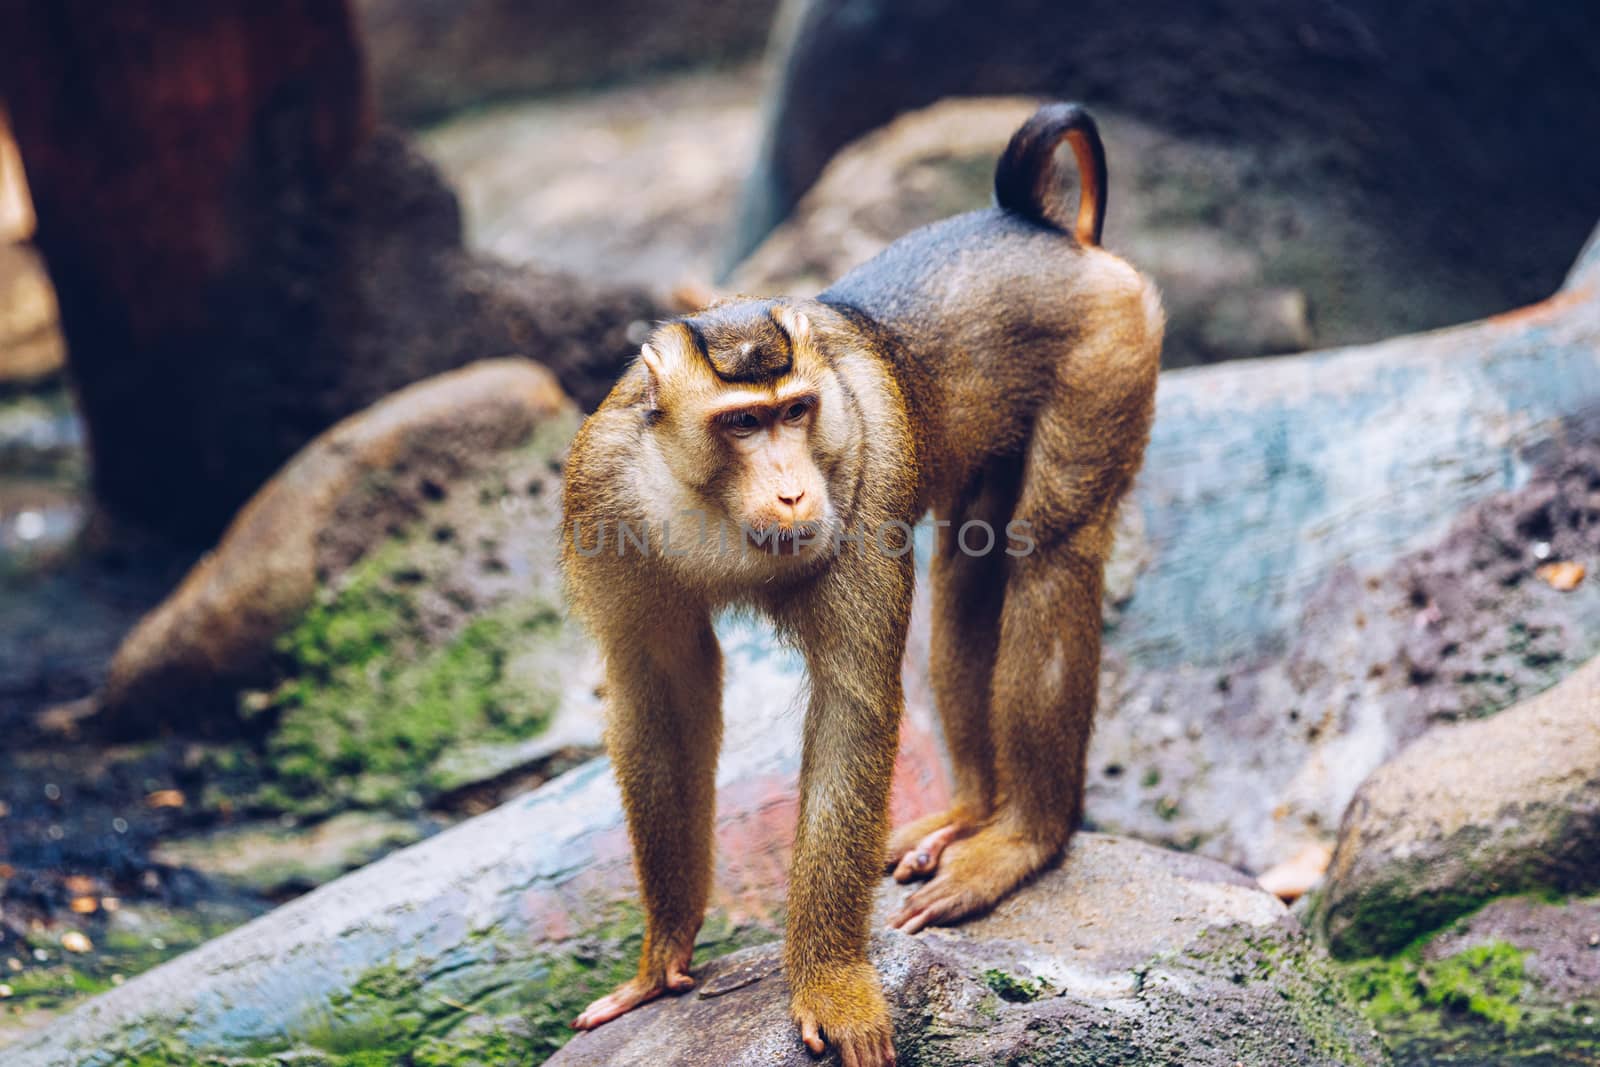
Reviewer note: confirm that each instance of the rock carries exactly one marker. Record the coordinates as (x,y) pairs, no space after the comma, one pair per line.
(275,860)
(1391,159)
(1126,954)
(558,180)
(1329,568)
(428,58)
(521,915)
(1516,982)
(368,477)
(1468,813)
(1172,210)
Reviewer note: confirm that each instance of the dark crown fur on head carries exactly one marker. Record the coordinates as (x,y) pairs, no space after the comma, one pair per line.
(742,342)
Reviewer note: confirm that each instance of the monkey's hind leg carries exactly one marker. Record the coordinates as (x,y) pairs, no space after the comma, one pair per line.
(1044,690)
(969,576)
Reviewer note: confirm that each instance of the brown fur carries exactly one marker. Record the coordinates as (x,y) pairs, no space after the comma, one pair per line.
(989,367)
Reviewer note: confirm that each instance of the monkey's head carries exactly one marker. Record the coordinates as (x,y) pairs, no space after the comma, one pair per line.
(748,419)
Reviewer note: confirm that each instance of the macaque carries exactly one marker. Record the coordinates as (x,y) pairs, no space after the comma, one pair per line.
(998,369)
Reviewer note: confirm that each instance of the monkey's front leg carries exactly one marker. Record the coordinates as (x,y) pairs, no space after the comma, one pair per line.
(663,730)
(851,735)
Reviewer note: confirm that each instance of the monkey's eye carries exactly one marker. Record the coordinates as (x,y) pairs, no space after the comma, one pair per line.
(798,410)
(741,423)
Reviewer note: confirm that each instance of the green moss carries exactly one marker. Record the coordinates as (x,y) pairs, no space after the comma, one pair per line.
(504,1010)
(1014,989)
(1428,1010)
(370,706)
(1485,980)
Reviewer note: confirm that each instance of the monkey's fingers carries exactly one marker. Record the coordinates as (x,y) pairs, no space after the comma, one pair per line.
(939,903)
(923,859)
(811,1034)
(679,980)
(870,1049)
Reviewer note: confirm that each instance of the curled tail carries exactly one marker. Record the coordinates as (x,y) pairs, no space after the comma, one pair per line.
(1025,179)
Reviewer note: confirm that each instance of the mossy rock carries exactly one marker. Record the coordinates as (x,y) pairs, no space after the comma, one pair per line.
(1518,982)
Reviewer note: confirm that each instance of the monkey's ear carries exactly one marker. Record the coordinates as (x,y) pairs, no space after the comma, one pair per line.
(795,324)
(653,371)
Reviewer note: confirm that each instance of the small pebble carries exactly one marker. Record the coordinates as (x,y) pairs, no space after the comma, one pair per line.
(52,791)
(73,941)
(5,991)
(120,825)
(159,944)
(55,833)
(13,965)
(41,955)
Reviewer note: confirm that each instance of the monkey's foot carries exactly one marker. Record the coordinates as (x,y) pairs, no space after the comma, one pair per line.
(634,992)
(975,873)
(914,849)
(848,1012)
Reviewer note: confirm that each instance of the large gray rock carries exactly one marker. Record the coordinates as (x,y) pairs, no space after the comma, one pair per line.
(1327,554)
(1399,116)
(1468,813)
(1126,954)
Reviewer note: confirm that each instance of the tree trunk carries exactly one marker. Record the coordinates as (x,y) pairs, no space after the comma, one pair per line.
(159,140)
(242,259)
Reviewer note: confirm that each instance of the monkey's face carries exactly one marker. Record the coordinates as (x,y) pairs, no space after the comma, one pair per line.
(748,419)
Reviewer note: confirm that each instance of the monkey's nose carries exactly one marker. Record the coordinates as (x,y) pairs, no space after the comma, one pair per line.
(792,500)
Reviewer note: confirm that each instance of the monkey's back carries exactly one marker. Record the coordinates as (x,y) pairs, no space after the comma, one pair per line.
(976,316)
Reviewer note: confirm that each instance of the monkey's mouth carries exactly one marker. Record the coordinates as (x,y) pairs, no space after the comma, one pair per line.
(794,540)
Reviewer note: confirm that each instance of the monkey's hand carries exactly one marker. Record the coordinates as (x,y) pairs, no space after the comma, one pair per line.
(846,1008)
(674,978)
